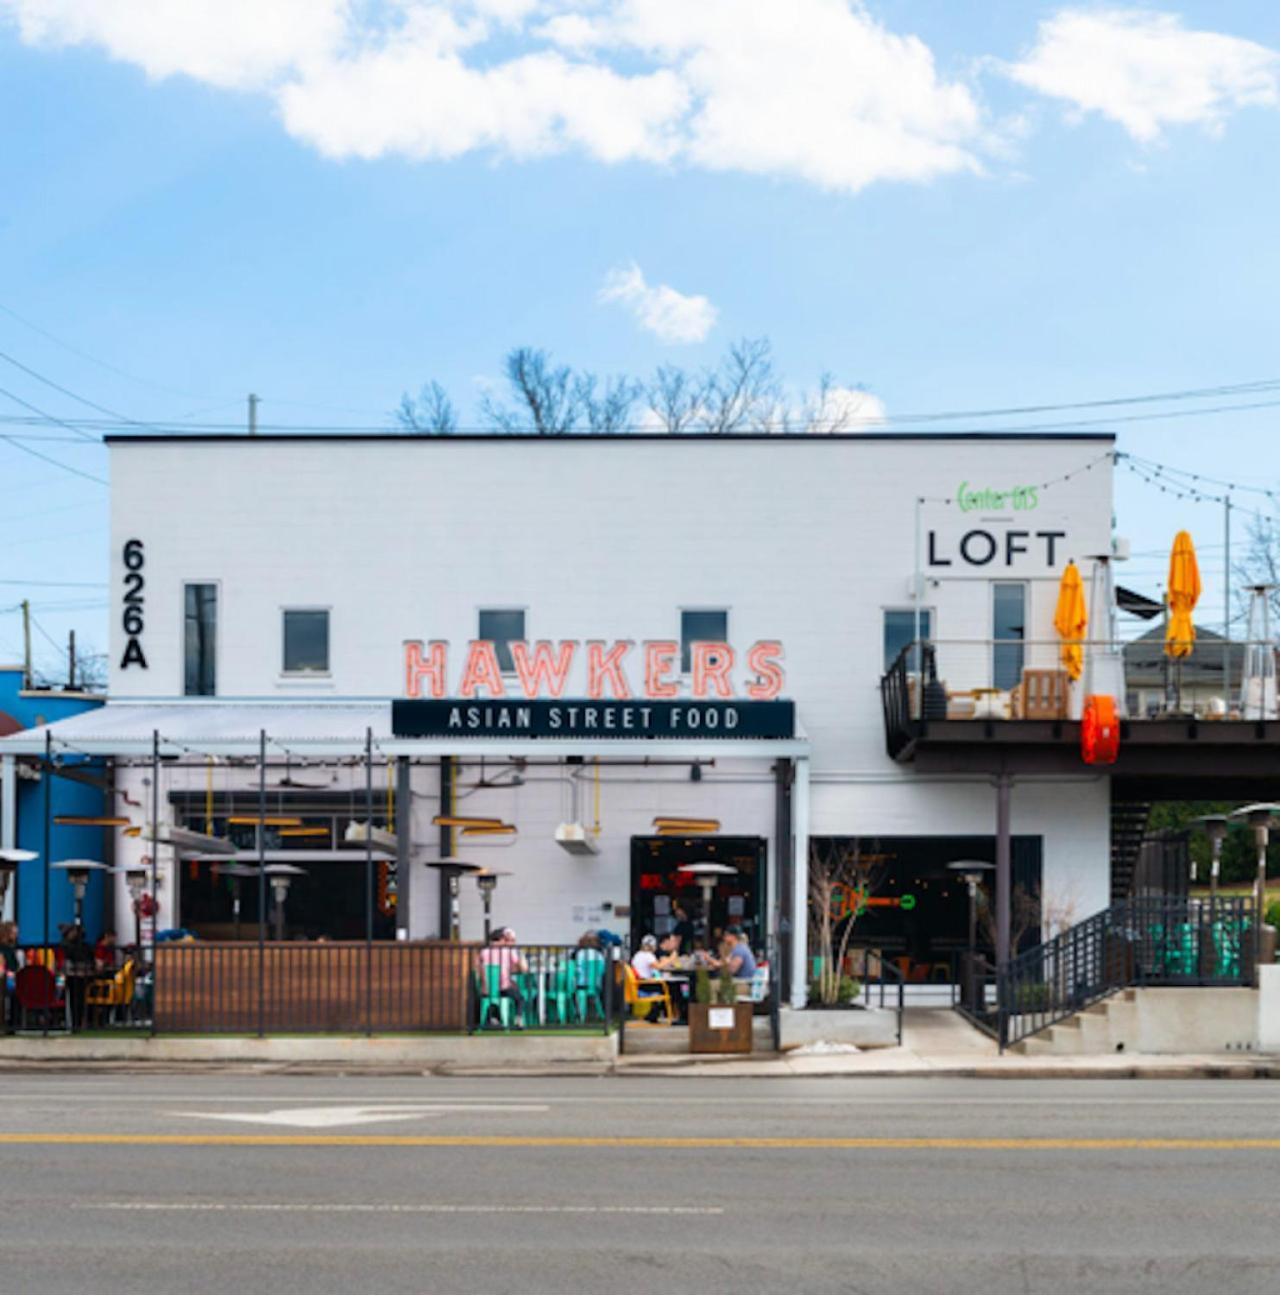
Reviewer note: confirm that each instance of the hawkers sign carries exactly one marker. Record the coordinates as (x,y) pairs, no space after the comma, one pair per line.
(630,691)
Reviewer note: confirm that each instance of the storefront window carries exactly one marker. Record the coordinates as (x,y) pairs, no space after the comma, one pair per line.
(700,627)
(200,637)
(1008,629)
(900,630)
(306,642)
(502,627)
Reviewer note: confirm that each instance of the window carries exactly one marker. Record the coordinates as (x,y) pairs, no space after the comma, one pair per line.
(502,627)
(1009,630)
(700,627)
(306,642)
(900,630)
(200,640)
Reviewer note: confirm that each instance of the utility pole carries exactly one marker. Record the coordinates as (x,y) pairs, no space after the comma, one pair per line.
(71,661)
(26,644)
(253,414)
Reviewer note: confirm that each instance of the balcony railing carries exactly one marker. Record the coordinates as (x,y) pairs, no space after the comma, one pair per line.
(1024,679)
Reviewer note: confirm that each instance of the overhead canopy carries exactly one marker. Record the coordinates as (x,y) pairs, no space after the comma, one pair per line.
(328,729)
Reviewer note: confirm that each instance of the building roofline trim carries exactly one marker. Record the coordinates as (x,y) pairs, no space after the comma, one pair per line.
(310,438)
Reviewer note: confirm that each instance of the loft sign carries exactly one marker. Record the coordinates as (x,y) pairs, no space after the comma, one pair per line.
(631,691)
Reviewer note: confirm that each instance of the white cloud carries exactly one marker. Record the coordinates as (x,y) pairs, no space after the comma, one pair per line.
(669,315)
(847,409)
(815,90)
(1147,71)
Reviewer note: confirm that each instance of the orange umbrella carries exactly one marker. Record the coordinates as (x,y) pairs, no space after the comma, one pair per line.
(1183,593)
(1071,620)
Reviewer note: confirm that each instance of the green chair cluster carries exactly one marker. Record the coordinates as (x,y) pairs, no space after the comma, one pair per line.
(574,990)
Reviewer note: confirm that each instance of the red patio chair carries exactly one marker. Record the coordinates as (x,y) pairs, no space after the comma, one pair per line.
(37,991)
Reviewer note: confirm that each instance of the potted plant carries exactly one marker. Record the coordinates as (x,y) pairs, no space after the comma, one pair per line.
(718,1022)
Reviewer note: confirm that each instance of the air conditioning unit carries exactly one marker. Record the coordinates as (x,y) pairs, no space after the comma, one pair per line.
(576,839)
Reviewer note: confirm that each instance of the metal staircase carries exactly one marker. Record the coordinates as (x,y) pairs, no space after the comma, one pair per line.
(1128,829)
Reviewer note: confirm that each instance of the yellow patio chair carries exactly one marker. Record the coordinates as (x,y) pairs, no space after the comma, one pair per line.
(114,993)
(642,1004)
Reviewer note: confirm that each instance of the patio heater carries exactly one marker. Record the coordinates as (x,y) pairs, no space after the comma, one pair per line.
(453,869)
(135,877)
(707,875)
(487,881)
(1258,687)
(10,857)
(281,876)
(1262,818)
(971,872)
(78,871)
(1215,828)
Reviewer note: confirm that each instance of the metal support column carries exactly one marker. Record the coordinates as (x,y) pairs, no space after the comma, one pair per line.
(447,882)
(262,882)
(403,828)
(9,826)
(368,881)
(784,854)
(800,883)
(1004,866)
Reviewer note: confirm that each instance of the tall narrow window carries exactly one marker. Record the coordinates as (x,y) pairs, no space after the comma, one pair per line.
(700,627)
(900,630)
(1009,630)
(306,642)
(502,626)
(200,640)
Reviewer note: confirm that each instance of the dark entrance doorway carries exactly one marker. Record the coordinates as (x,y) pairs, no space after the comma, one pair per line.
(916,911)
(657,884)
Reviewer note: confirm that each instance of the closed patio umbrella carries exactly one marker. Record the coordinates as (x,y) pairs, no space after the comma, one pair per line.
(1071,620)
(1184,593)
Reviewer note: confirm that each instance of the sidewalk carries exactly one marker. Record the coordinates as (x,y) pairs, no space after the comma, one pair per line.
(939,1042)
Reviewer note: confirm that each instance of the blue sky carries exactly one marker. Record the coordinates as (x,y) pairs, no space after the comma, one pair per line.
(954,206)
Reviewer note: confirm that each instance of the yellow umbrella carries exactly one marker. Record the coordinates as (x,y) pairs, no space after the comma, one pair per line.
(1071,620)
(1183,593)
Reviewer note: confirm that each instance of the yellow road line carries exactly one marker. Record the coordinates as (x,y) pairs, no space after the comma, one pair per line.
(640,1143)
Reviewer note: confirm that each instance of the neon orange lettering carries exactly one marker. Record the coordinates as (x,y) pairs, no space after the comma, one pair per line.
(659,662)
(769,677)
(482,670)
(431,667)
(543,673)
(711,665)
(606,667)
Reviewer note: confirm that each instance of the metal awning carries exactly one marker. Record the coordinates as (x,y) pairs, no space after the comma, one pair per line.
(323,728)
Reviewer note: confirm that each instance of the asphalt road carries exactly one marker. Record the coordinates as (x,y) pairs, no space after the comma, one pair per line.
(244,1183)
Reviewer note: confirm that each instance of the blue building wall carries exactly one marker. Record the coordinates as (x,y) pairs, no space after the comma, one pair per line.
(65,797)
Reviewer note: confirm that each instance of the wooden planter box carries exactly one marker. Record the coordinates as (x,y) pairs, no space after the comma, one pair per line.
(713,1028)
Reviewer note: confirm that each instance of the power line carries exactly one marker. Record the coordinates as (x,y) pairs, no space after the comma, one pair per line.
(66,391)
(26,449)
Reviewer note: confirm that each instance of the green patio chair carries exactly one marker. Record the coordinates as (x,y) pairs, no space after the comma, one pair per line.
(526,983)
(589,974)
(560,988)
(493,997)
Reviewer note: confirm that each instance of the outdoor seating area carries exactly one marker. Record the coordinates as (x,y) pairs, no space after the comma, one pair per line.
(46,989)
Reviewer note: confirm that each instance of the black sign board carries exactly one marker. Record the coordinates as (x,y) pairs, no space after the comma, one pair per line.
(602,719)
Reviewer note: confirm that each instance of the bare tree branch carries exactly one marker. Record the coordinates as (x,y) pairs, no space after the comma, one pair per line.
(607,412)
(431,413)
(675,397)
(547,399)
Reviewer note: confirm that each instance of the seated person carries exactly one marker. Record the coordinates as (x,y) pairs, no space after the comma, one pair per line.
(501,952)
(671,959)
(104,952)
(644,962)
(737,955)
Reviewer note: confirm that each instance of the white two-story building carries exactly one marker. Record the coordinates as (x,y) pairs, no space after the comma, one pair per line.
(596,659)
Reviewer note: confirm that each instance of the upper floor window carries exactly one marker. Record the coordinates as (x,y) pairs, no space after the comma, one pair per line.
(700,627)
(1009,630)
(900,630)
(502,626)
(306,641)
(200,640)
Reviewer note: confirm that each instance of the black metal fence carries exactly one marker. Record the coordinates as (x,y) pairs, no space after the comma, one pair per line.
(343,987)
(1156,940)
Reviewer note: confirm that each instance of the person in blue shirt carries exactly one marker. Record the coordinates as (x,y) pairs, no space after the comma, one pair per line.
(738,956)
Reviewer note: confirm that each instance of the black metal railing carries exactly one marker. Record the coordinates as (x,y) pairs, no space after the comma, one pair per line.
(886,982)
(974,988)
(900,706)
(1156,940)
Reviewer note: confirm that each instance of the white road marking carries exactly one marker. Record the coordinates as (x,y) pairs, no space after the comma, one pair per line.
(328,1117)
(296,1207)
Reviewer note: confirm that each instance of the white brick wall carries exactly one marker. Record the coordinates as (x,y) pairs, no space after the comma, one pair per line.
(803,540)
